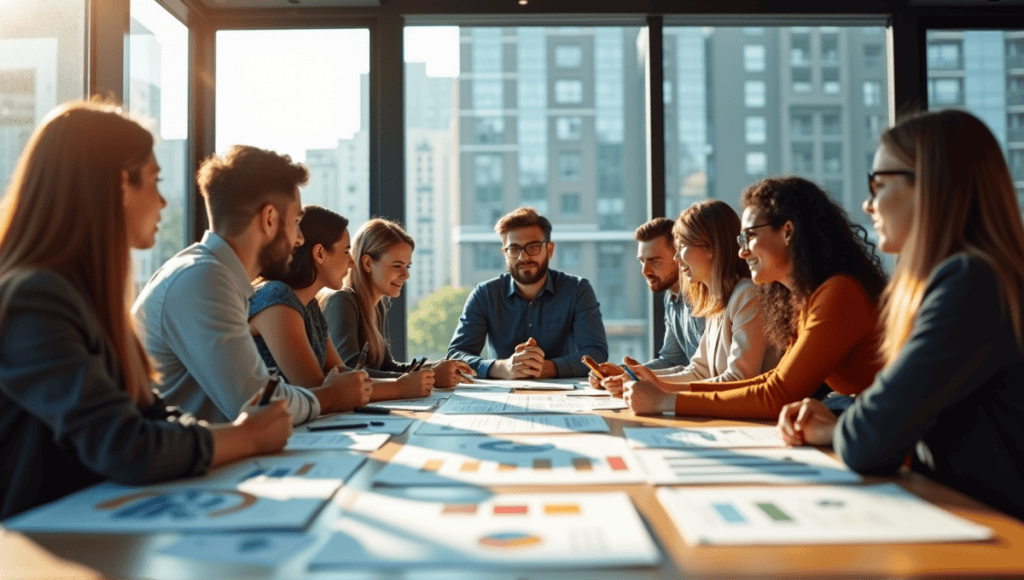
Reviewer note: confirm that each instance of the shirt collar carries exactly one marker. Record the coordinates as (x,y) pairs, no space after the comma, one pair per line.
(549,285)
(674,296)
(226,255)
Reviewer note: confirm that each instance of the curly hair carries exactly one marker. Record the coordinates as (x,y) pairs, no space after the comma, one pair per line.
(824,243)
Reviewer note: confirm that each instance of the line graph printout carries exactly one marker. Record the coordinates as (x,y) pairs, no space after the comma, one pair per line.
(546,530)
(812,515)
(709,466)
(702,437)
(439,424)
(498,404)
(511,460)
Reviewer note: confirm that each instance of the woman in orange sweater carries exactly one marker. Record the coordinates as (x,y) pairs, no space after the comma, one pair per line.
(820,282)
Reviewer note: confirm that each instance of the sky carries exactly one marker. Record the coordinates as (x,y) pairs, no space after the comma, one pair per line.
(287,90)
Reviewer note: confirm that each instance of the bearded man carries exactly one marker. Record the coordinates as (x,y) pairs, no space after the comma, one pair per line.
(538,321)
(193,313)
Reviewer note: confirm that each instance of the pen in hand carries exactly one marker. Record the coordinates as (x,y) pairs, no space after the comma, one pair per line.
(631,374)
(268,391)
(361,362)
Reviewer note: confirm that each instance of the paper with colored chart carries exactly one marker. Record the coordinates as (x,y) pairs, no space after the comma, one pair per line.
(566,531)
(710,466)
(702,437)
(511,460)
(439,424)
(281,493)
(498,404)
(812,515)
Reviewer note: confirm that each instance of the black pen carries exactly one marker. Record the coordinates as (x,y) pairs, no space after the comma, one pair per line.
(341,426)
(417,364)
(268,391)
(372,410)
(362,357)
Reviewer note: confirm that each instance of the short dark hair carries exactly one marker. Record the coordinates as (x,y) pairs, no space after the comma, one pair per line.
(239,183)
(524,217)
(318,226)
(656,228)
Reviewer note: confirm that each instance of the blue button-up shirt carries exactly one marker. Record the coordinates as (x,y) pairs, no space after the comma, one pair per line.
(564,318)
(682,334)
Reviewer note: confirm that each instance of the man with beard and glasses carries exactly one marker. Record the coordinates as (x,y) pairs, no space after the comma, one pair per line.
(538,322)
(194,311)
(656,253)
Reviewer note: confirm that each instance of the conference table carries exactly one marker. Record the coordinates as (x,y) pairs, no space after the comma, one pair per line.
(140,556)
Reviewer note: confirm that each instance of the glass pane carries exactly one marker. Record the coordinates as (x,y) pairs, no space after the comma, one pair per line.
(982,71)
(157,87)
(314,109)
(572,106)
(42,63)
(815,109)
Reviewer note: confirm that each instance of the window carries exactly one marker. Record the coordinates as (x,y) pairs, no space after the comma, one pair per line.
(801,125)
(489,130)
(801,80)
(568,92)
(944,56)
(487,257)
(753,58)
(830,125)
(800,49)
(568,256)
(571,204)
(872,93)
(568,128)
(157,87)
(754,94)
(568,56)
(830,81)
(570,166)
(757,164)
(873,127)
(487,94)
(756,130)
(832,157)
(944,91)
(803,160)
(829,48)
(872,55)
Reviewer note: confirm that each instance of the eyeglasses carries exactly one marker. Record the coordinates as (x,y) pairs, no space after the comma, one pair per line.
(744,238)
(873,185)
(532,249)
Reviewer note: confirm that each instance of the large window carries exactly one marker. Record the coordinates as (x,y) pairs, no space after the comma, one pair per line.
(157,87)
(42,63)
(573,147)
(983,71)
(310,101)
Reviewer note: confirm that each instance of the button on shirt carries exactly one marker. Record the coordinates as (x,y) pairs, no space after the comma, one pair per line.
(682,334)
(193,315)
(564,318)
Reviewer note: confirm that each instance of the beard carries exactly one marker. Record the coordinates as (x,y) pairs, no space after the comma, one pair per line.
(661,284)
(527,279)
(275,257)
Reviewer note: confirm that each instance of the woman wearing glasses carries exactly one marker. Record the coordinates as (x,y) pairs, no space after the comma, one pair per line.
(716,284)
(950,394)
(357,314)
(819,283)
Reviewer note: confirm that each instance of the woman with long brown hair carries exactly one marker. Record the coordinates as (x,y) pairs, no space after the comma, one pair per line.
(819,281)
(357,314)
(716,284)
(951,393)
(76,403)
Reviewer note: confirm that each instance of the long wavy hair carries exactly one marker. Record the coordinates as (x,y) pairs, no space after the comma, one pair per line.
(824,243)
(712,224)
(965,202)
(64,211)
(319,226)
(373,239)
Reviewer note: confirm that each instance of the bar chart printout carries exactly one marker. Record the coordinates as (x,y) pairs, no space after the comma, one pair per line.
(548,530)
(812,515)
(710,466)
(584,459)
(703,437)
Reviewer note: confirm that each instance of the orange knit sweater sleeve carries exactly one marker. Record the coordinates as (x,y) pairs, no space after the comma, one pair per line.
(835,318)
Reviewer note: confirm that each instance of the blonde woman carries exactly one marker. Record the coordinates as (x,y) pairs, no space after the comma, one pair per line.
(76,401)
(950,395)
(357,314)
(717,285)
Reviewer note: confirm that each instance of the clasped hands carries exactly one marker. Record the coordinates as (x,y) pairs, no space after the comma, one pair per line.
(527,362)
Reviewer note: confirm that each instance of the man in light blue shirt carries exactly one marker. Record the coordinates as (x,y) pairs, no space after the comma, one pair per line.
(539,322)
(193,313)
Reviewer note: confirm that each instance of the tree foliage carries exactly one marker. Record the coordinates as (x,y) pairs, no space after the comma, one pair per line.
(433,322)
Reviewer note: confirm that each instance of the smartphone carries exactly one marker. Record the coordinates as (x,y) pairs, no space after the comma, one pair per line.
(592,365)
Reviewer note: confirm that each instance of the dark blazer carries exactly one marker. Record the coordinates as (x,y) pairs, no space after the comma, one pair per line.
(66,421)
(954,396)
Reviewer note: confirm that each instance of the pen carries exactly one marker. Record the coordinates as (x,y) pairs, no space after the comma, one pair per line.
(592,365)
(342,426)
(372,410)
(631,374)
(416,364)
(268,391)
(362,356)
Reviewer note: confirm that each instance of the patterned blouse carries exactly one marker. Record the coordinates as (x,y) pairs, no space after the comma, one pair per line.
(274,292)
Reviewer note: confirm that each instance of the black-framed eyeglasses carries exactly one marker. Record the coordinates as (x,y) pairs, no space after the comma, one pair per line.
(532,249)
(873,185)
(744,238)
